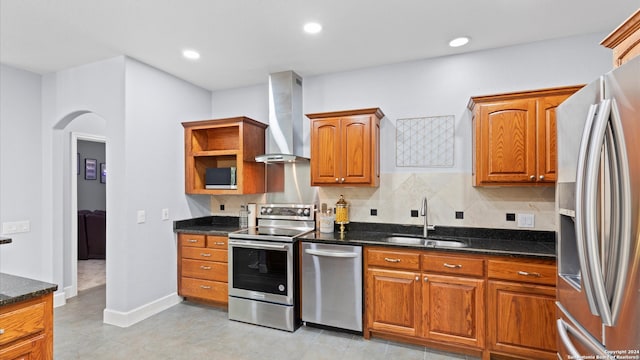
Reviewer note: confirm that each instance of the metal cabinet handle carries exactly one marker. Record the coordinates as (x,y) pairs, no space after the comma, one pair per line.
(532,177)
(525,273)
(342,180)
(391,260)
(417,278)
(1,331)
(205,254)
(219,243)
(205,267)
(541,177)
(337,179)
(426,279)
(192,241)
(205,287)
(452,266)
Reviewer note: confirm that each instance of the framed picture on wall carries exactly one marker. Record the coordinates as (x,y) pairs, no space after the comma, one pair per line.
(103,173)
(90,169)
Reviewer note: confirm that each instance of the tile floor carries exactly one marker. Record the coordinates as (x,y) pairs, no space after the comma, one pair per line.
(192,331)
(91,273)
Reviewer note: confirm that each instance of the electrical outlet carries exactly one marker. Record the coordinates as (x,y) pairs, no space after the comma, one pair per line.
(165,214)
(373,212)
(221,207)
(142,216)
(414,213)
(459,215)
(511,217)
(526,220)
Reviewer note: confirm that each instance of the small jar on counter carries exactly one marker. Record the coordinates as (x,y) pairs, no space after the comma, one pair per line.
(342,211)
(326,221)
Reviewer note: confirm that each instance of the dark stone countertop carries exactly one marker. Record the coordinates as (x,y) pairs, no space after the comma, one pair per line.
(504,242)
(14,289)
(5,240)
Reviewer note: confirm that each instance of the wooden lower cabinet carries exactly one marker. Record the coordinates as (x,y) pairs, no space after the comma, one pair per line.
(453,309)
(393,301)
(202,267)
(27,330)
(474,304)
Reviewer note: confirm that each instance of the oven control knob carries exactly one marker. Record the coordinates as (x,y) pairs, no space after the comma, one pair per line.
(269,210)
(299,212)
(281,287)
(307,211)
(263,211)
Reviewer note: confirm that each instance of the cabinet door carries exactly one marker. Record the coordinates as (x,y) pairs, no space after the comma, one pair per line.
(547,145)
(325,151)
(356,150)
(33,348)
(453,309)
(507,142)
(521,319)
(393,301)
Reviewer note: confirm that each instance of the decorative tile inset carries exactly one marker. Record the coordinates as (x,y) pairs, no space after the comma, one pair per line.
(425,142)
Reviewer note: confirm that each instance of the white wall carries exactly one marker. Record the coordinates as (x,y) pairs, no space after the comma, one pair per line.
(21,173)
(435,87)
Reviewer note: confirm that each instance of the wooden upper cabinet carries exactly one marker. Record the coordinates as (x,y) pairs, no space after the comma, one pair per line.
(232,142)
(625,40)
(515,137)
(345,147)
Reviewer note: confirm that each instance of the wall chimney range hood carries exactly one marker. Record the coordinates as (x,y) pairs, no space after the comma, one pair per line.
(284,134)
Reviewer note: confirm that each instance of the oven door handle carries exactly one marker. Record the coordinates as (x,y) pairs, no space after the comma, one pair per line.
(335,254)
(258,245)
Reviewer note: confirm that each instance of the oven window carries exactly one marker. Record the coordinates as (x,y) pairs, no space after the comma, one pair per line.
(260,270)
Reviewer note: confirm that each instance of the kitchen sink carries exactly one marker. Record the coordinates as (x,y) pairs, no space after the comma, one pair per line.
(434,243)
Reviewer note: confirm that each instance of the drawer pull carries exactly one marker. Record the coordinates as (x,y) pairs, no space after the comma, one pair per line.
(192,241)
(525,273)
(1,331)
(219,243)
(452,266)
(205,267)
(205,287)
(426,279)
(205,254)
(391,260)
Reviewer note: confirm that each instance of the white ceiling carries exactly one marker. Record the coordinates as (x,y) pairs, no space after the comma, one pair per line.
(242,41)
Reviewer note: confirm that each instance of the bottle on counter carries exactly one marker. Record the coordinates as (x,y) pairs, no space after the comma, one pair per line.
(244,216)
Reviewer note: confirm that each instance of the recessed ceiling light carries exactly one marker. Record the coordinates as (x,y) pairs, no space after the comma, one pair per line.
(312,28)
(191,54)
(463,40)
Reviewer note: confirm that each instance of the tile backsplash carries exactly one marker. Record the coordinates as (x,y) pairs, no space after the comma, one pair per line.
(447,193)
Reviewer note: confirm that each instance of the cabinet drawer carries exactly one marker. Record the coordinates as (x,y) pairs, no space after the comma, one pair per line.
(523,271)
(453,265)
(217,242)
(208,270)
(393,259)
(22,322)
(204,254)
(191,240)
(204,289)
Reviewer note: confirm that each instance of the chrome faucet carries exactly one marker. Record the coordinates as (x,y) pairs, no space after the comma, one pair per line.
(423,212)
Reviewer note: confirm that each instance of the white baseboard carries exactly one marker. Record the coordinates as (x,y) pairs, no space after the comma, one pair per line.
(59,298)
(126,319)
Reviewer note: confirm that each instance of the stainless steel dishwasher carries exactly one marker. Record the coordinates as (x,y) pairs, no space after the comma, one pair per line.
(332,285)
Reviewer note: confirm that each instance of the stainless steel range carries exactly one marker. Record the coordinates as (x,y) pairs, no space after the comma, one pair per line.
(263,266)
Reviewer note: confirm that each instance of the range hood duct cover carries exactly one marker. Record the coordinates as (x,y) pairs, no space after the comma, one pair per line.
(285,131)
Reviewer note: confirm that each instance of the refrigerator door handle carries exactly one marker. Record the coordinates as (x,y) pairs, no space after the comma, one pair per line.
(565,329)
(622,205)
(591,211)
(580,210)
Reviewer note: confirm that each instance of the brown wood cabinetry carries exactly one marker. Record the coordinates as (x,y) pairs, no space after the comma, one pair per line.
(521,308)
(345,147)
(474,304)
(224,143)
(514,137)
(625,40)
(27,329)
(202,267)
(412,294)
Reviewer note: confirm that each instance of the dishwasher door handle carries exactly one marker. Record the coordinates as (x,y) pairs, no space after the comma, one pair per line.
(335,254)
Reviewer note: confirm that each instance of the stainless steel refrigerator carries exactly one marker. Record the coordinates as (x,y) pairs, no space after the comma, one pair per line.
(598,205)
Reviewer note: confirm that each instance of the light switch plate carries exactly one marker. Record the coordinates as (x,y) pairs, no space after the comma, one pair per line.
(16,227)
(526,220)
(142,216)
(165,214)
